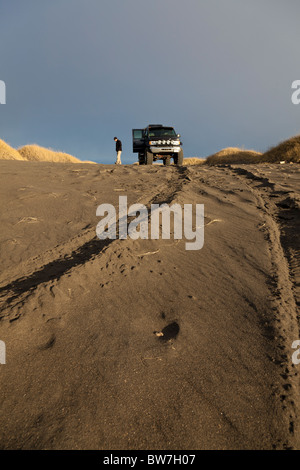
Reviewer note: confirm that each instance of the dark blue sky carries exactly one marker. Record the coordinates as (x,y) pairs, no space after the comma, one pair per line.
(79,72)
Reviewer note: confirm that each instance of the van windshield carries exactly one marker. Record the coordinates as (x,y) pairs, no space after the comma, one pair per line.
(162,132)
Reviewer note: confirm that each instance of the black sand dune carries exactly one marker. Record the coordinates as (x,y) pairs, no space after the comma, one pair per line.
(86,367)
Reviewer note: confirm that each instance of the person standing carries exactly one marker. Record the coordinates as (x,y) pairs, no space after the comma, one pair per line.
(118,150)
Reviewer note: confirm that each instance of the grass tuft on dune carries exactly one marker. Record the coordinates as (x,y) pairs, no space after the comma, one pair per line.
(288,150)
(41,154)
(234,155)
(193,161)
(9,153)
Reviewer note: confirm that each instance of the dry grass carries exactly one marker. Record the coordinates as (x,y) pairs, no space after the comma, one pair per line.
(234,155)
(193,161)
(35,153)
(288,151)
(9,153)
(41,154)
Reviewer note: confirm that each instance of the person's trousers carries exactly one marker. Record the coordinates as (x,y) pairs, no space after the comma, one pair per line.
(119,157)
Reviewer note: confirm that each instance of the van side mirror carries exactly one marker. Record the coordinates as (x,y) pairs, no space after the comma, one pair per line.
(178,135)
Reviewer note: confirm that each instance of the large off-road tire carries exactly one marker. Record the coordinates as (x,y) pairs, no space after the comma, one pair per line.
(167,160)
(141,159)
(178,159)
(148,158)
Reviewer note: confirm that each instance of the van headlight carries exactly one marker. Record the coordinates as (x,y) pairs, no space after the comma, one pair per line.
(175,142)
(152,142)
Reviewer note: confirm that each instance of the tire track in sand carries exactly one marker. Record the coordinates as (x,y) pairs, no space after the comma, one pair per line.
(76,252)
(282,224)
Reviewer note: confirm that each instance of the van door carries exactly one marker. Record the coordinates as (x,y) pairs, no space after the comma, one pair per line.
(137,140)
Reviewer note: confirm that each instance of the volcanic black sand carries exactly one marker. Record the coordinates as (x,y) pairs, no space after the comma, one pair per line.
(86,365)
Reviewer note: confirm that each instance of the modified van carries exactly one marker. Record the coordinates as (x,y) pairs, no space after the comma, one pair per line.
(157,142)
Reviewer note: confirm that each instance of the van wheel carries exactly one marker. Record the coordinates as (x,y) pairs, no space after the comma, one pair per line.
(167,160)
(141,159)
(178,159)
(148,158)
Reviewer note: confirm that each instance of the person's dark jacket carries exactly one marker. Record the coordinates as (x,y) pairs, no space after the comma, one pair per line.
(118,146)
